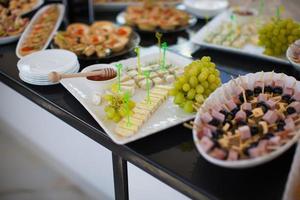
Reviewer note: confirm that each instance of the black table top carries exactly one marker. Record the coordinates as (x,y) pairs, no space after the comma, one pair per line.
(169,155)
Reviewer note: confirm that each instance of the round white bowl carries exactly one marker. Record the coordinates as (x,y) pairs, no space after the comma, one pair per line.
(99,86)
(205,8)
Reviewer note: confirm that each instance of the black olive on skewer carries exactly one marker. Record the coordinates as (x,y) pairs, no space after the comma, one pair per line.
(286,98)
(241,98)
(268,89)
(257,91)
(248,113)
(226,121)
(278,90)
(248,93)
(263,106)
(267,136)
(254,130)
(241,123)
(252,145)
(217,134)
(215,122)
(291,100)
(280,125)
(235,110)
(290,110)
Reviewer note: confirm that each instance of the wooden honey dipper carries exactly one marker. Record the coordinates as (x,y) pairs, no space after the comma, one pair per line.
(107,73)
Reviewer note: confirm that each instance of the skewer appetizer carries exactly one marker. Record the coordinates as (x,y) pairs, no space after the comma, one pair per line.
(257,115)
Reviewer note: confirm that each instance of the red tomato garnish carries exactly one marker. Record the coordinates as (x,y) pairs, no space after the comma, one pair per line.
(79,32)
(27,49)
(121,31)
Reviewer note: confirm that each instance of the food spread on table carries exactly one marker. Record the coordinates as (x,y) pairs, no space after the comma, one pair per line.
(134,1)
(10,24)
(258,115)
(18,7)
(150,16)
(102,38)
(40,31)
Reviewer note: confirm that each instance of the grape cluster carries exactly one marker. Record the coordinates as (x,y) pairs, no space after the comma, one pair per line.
(277,35)
(199,80)
(116,108)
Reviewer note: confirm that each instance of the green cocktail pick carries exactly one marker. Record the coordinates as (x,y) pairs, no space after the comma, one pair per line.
(164,47)
(206,19)
(137,51)
(261,7)
(147,76)
(234,22)
(126,100)
(279,10)
(119,69)
(158,35)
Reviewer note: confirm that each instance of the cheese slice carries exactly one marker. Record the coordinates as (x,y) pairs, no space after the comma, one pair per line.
(123,132)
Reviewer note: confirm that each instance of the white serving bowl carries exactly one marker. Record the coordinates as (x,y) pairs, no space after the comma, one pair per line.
(99,86)
(295,65)
(205,8)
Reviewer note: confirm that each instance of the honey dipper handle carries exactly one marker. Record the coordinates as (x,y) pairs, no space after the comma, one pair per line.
(56,77)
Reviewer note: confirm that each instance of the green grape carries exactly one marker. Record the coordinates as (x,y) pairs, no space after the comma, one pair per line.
(188,107)
(205,84)
(122,111)
(131,105)
(199,98)
(179,98)
(177,85)
(191,94)
(173,92)
(182,80)
(199,89)
(186,87)
(116,118)
(193,81)
(211,78)
(205,59)
(213,86)
(110,113)
(203,76)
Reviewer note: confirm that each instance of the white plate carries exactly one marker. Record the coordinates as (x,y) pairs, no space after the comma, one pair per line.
(205,8)
(41,63)
(166,116)
(9,39)
(217,95)
(38,4)
(257,51)
(41,82)
(29,27)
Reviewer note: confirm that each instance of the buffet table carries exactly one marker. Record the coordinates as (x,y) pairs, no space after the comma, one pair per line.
(170,155)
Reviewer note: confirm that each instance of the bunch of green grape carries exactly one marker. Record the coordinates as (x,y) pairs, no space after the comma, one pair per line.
(199,80)
(277,35)
(116,108)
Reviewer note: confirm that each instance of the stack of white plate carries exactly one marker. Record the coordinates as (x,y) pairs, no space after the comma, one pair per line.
(34,68)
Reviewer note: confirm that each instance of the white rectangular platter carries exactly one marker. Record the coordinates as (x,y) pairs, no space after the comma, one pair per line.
(167,115)
(199,38)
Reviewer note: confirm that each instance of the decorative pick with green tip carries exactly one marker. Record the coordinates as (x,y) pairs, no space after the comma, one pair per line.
(164,47)
(147,76)
(206,19)
(280,9)
(137,51)
(158,35)
(261,7)
(127,100)
(119,67)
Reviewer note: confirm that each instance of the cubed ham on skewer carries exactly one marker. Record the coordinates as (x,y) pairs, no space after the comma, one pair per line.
(231,105)
(271,103)
(244,132)
(207,132)
(219,116)
(289,124)
(262,145)
(206,143)
(254,152)
(274,140)
(296,95)
(295,105)
(240,115)
(279,83)
(233,155)
(271,117)
(262,97)
(206,117)
(246,106)
(218,153)
(211,127)
(288,91)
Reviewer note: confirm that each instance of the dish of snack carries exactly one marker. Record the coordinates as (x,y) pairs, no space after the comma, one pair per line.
(240,34)
(11,27)
(249,120)
(110,110)
(295,51)
(103,39)
(20,7)
(41,29)
(156,17)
